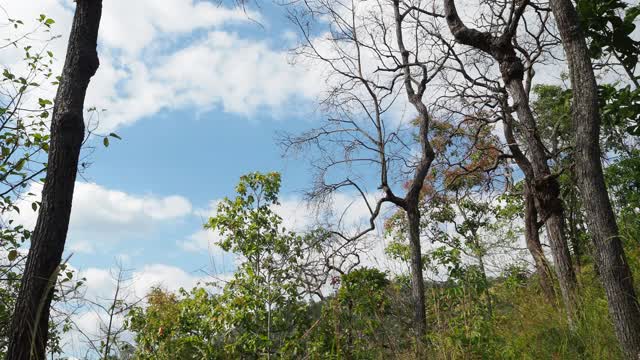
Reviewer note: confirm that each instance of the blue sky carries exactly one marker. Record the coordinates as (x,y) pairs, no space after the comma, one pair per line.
(197,92)
(199,157)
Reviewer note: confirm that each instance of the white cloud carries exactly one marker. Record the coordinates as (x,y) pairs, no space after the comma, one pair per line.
(202,240)
(174,54)
(81,246)
(101,207)
(134,25)
(99,212)
(167,277)
(222,70)
(101,283)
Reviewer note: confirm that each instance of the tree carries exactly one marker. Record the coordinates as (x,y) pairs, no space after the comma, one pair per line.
(31,316)
(24,144)
(357,322)
(107,341)
(532,237)
(262,308)
(373,60)
(541,182)
(609,254)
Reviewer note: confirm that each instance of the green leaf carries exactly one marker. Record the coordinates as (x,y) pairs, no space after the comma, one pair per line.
(114,135)
(44,102)
(13,254)
(105,141)
(7,74)
(20,164)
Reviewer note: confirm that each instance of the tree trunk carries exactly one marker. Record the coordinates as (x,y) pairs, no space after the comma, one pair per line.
(610,257)
(485,281)
(532,238)
(546,189)
(410,203)
(572,227)
(417,279)
(28,339)
(546,192)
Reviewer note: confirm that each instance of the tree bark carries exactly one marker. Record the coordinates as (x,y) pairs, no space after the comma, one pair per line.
(532,238)
(610,257)
(29,327)
(417,278)
(545,189)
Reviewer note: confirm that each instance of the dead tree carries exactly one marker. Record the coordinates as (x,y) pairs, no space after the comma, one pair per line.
(106,341)
(475,93)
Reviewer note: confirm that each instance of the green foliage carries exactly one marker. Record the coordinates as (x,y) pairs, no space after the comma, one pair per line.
(623,180)
(609,25)
(552,108)
(182,326)
(263,305)
(261,311)
(362,320)
(620,114)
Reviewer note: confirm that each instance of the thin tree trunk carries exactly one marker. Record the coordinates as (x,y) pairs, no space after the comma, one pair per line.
(572,227)
(485,280)
(610,257)
(29,327)
(410,203)
(417,278)
(532,238)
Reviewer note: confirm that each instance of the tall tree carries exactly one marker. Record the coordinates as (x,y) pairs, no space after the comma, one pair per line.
(372,55)
(30,322)
(601,222)
(542,183)
(24,142)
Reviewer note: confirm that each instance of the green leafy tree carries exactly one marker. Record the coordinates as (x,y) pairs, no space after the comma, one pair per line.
(262,308)
(609,25)
(358,322)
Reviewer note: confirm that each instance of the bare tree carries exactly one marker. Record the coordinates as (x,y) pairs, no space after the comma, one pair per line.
(371,64)
(107,341)
(609,254)
(31,317)
(474,92)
